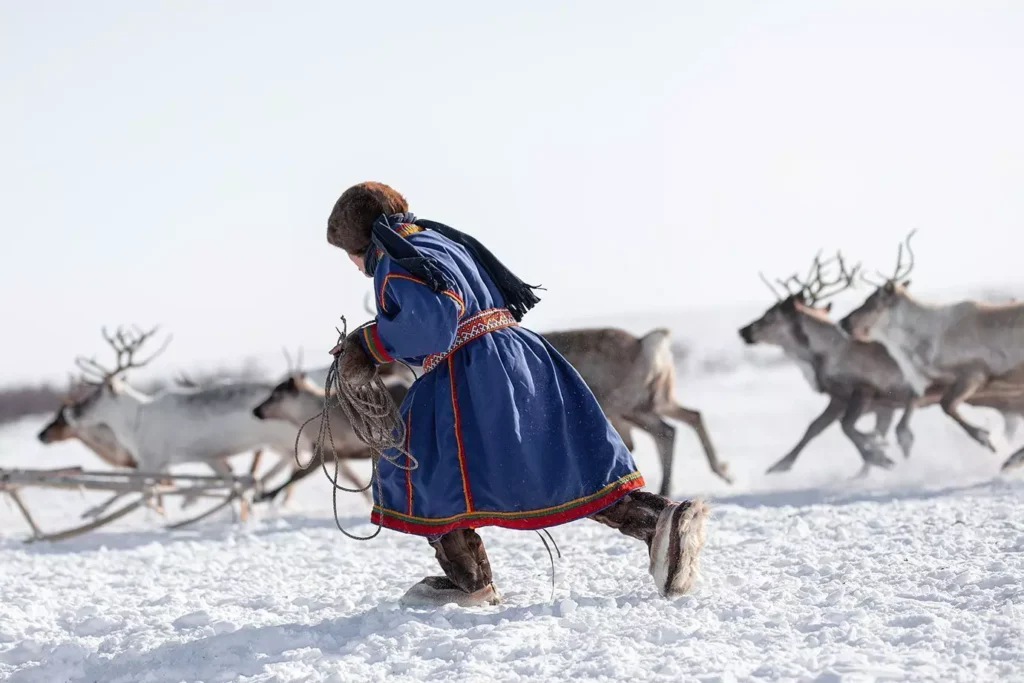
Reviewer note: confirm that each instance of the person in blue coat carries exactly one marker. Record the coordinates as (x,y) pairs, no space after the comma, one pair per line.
(503,430)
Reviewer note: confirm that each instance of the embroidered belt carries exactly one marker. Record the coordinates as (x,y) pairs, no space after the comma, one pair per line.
(476,325)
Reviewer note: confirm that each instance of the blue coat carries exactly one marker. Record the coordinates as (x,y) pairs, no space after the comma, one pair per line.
(505,431)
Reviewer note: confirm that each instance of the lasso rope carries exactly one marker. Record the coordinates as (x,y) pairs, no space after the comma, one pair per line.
(375,420)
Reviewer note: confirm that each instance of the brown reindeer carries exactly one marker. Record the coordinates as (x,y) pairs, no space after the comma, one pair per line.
(633,379)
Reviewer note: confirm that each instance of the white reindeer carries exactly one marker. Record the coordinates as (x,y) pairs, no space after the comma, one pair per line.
(962,346)
(99,439)
(204,425)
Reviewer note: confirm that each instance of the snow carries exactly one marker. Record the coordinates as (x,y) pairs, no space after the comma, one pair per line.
(913,574)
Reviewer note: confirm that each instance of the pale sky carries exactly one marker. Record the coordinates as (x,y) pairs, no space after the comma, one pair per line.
(175,162)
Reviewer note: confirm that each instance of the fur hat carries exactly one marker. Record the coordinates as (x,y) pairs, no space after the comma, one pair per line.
(351,221)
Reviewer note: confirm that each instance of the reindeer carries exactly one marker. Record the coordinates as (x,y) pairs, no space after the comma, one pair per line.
(858,377)
(203,425)
(633,379)
(962,346)
(99,439)
(298,398)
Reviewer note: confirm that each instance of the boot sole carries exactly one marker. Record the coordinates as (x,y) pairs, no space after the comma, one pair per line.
(423,594)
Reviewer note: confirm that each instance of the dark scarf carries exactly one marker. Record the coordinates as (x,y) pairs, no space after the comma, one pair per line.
(519,296)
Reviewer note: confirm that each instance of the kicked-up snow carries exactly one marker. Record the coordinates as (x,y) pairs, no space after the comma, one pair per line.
(909,575)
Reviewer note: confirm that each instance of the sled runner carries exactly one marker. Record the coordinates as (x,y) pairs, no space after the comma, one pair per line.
(144,489)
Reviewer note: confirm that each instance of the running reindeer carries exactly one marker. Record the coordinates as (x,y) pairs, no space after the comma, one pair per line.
(205,425)
(99,439)
(301,397)
(632,378)
(962,346)
(858,377)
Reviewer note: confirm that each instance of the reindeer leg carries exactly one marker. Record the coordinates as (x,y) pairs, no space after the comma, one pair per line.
(665,440)
(695,420)
(224,467)
(904,437)
(1011,423)
(831,413)
(296,475)
(870,452)
(157,502)
(961,390)
(281,464)
(243,505)
(883,422)
(256,457)
(1014,461)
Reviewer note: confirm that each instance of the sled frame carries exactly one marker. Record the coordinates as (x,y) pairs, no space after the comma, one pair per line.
(145,488)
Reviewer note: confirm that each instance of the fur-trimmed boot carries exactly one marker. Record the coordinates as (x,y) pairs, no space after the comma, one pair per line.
(673,532)
(467,581)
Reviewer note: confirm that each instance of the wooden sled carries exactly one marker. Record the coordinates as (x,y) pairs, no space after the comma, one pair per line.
(148,487)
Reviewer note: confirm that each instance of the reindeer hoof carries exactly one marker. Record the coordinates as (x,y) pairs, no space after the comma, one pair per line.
(983,437)
(723,473)
(878,459)
(783,465)
(1014,461)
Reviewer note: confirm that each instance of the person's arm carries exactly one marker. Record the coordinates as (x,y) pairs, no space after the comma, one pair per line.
(412,320)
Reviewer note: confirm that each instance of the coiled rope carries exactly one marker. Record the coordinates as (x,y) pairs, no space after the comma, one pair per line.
(375,420)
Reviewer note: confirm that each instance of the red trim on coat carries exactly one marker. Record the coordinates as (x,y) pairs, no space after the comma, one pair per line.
(458,439)
(375,346)
(408,461)
(521,523)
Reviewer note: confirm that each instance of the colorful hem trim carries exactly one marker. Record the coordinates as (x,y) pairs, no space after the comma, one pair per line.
(476,325)
(526,520)
(375,346)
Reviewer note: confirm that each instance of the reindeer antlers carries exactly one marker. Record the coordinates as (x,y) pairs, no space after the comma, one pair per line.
(902,272)
(297,365)
(770,286)
(817,286)
(820,288)
(125,344)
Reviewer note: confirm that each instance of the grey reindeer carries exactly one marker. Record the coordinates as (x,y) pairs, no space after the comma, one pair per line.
(962,346)
(858,377)
(633,379)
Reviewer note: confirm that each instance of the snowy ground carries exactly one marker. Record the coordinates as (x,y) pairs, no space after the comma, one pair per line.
(913,574)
